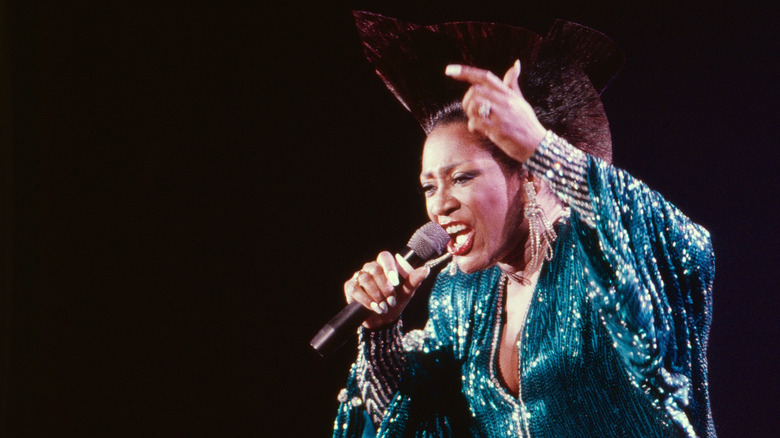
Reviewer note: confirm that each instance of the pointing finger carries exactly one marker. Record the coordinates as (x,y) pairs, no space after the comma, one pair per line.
(473,75)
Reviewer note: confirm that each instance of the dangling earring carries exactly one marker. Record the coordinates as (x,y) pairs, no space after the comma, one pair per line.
(540,231)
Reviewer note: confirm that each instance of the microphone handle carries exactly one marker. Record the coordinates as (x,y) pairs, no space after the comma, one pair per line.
(333,334)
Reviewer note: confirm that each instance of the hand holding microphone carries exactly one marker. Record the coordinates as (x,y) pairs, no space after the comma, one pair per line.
(384,286)
(378,293)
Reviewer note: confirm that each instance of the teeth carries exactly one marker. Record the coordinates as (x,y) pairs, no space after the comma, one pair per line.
(460,240)
(455,228)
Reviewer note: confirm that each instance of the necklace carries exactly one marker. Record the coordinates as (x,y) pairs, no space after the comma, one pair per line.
(520,414)
(518,277)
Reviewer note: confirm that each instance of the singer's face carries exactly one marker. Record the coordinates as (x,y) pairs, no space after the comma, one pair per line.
(469,194)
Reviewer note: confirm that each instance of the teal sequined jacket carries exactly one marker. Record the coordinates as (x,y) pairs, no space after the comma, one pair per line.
(614,343)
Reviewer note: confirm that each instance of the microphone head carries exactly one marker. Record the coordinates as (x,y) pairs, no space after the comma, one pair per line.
(429,241)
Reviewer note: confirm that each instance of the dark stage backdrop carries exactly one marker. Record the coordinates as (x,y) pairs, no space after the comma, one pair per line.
(186,186)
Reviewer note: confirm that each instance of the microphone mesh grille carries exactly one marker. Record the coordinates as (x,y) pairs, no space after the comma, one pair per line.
(429,241)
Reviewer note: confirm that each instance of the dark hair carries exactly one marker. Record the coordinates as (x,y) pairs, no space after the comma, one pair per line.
(453,113)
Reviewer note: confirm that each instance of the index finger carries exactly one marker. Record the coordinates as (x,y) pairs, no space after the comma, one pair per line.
(473,75)
(387,261)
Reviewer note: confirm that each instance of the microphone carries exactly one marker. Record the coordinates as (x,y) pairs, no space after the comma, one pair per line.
(428,242)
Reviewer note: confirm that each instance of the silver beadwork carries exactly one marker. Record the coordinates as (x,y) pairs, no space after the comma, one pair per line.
(540,232)
(414,341)
(563,167)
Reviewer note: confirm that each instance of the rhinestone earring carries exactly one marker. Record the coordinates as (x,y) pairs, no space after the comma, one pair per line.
(540,231)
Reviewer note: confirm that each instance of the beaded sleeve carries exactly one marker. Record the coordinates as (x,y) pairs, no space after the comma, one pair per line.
(652,271)
(377,397)
(379,365)
(373,381)
(564,167)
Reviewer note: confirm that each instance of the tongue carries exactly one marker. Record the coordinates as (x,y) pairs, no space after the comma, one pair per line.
(460,243)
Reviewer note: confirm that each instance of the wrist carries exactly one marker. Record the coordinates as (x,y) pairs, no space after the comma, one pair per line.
(539,133)
(526,141)
(564,167)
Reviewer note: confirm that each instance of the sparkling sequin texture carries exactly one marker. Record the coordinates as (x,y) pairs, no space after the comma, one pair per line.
(615,338)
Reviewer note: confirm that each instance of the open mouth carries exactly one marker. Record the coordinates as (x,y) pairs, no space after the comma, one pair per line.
(461,238)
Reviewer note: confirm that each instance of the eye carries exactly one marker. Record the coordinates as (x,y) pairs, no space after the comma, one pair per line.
(462,178)
(427,189)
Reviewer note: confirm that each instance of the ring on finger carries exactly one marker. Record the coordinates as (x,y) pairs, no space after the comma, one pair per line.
(484,109)
(357,278)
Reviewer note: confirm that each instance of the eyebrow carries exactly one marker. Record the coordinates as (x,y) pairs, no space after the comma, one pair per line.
(445,169)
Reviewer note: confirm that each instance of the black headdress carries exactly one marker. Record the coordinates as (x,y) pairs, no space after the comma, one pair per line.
(562,75)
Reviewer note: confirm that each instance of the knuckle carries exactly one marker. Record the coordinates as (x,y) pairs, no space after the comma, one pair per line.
(360,290)
(375,269)
(354,296)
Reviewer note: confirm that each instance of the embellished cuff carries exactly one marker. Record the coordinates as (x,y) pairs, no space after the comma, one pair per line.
(379,365)
(564,167)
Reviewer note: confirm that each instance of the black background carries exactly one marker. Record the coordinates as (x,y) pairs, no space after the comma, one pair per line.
(186,185)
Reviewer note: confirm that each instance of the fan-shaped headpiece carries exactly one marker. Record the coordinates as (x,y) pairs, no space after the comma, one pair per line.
(562,74)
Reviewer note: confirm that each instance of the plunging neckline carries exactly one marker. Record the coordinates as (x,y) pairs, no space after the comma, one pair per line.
(501,320)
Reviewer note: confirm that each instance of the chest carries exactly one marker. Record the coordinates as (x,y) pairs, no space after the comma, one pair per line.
(516,305)
(520,341)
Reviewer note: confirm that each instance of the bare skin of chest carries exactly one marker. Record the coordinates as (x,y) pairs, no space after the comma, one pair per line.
(518,300)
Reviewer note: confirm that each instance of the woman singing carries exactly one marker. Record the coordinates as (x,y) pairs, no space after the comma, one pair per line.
(575,302)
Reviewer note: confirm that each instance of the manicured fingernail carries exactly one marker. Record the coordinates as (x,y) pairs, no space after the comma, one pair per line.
(517,63)
(391,301)
(383,306)
(427,271)
(375,307)
(404,264)
(392,276)
(453,70)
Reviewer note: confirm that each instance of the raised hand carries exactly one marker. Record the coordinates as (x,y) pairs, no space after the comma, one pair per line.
(497,109)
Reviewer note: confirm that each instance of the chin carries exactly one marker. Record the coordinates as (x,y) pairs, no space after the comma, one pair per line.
(469,265)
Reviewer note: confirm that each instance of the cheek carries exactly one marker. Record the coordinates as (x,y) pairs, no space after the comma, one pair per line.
(494,217)
(493,208)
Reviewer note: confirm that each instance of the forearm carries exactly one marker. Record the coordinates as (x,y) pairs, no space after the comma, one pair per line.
(564,168)
(650,272)
(378,368)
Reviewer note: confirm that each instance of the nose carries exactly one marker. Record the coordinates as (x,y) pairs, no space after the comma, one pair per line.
(442,203)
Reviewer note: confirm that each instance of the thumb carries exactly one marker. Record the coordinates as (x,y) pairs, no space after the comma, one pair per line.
(512,75)
(416,278)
